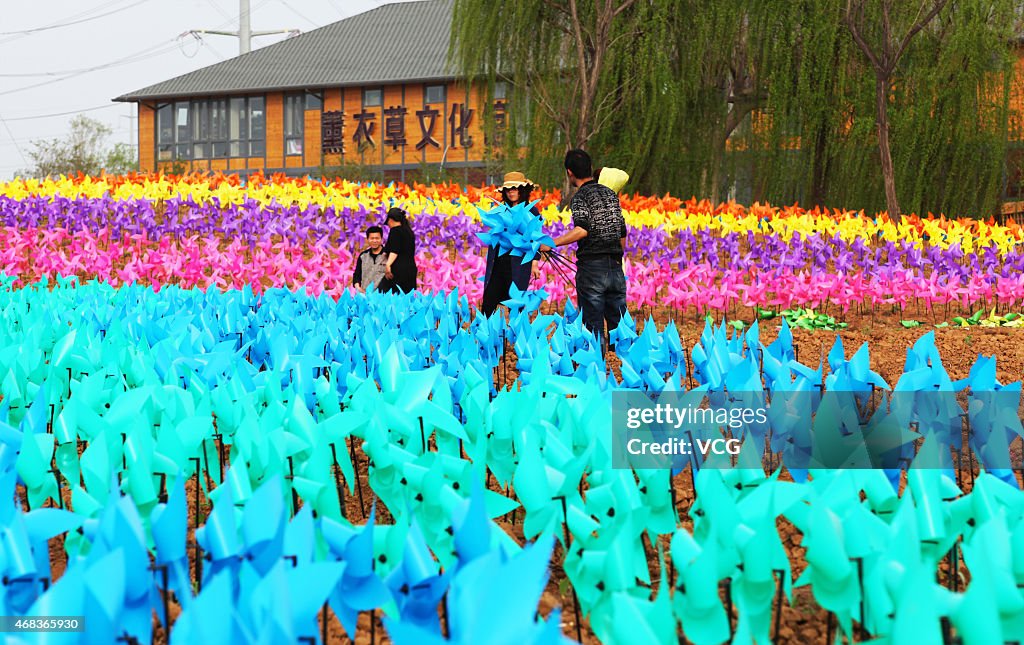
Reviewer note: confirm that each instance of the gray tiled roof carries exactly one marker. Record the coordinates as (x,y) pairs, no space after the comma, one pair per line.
(405,41)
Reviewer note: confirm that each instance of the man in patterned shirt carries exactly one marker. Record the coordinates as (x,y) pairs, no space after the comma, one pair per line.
(600,231)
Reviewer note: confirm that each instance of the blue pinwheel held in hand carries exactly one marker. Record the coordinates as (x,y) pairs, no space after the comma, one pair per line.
(514,236)
(515,230)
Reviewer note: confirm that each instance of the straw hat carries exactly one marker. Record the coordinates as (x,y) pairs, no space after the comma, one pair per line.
(515,180)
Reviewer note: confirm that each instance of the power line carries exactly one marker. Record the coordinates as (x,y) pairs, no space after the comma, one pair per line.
(297,13)
(134,58)
(16,34)
(17,146)
(45,116)
(150,52)
(73,22)
(131,58)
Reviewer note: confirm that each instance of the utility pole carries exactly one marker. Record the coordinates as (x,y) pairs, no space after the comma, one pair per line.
(132,130)
(245,32)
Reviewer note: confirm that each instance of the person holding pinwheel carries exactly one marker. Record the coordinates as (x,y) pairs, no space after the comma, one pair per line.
(599,229)
(400,250)
(505,269)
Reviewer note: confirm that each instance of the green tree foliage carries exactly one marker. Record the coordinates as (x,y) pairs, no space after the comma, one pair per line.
(556,56)
(82,150)
(782,81)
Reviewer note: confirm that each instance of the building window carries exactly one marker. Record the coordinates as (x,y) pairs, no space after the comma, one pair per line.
(294,120)
(314,100)
(372,98)
(500,90)
(174,135)
(434,94)
(238,128)
(165,132)
(211,129)
(182,130)
(257,127)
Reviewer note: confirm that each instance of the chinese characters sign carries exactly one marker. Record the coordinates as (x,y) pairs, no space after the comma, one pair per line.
(397,133)
(332,138)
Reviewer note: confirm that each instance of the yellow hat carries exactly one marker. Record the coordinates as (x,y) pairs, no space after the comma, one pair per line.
(613,178)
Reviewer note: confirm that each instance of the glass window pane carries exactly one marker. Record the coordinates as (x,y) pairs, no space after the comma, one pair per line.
(181,112)
(293,146)
(200,120)
(371,98)
(165,124)
(293,115)
(239,149)
(220,149)
(435,94)
(256,118)
(500,90)
(256,148)
(165,153)
(314,100)
(236,125)
(199,151)
(181,151)
(218,127)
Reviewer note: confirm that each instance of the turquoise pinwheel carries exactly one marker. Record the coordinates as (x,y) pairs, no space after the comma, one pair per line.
(514,230)
(480,611)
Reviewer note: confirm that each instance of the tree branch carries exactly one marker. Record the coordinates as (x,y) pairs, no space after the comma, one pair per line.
(918,26)
(560,8)
(622,7)
(540,91)
(851,24)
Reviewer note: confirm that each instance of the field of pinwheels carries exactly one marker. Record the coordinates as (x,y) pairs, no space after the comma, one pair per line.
(209,437)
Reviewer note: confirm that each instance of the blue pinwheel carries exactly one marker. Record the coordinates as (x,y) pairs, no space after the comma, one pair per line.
(514,230)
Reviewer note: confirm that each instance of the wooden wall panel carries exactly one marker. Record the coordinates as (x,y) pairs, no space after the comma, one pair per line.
(311,145)
(393,99)
(413,135)
(237,163)
(332,102)
(255,163)
(1017,98)
(293,161)
(275,130)
(147,138)
(352,100)
(332,99)
(476,125)
(439,133)
(219,164)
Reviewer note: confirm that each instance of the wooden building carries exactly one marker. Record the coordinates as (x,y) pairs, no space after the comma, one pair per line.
(373,90)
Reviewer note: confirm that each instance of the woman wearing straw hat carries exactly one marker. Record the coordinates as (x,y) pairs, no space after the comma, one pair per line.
(504,270)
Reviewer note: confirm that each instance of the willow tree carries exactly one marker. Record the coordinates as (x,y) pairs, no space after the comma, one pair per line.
(947,104)
(770,98)
(884,51)
(553,55)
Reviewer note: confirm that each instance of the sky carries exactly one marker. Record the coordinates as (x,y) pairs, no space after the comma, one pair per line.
(65,57)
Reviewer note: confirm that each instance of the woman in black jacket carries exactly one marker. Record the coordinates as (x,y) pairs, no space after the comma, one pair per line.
(504,270)
(400,265)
